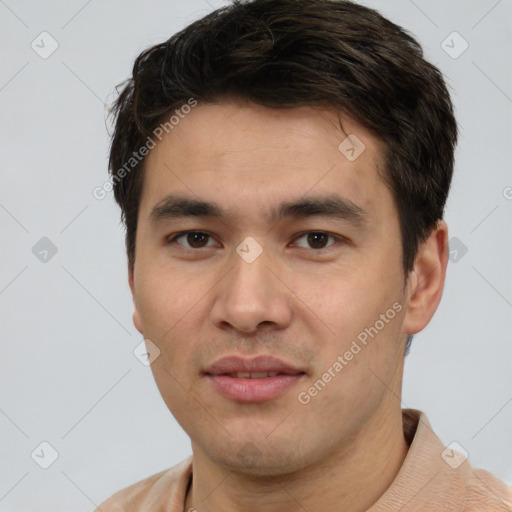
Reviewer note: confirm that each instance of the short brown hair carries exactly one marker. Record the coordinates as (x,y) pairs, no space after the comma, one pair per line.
(289,53)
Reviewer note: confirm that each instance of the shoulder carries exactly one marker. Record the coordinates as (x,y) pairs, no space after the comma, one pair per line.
(455,488)
(128,498)
(484,491)
(151,493)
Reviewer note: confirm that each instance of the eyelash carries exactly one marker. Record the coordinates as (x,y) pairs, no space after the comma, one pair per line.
(172,238)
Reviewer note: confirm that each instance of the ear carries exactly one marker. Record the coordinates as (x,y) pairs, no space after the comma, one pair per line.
(426,280)
(136,315)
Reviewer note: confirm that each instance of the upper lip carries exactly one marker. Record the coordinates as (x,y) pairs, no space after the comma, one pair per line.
(262,363)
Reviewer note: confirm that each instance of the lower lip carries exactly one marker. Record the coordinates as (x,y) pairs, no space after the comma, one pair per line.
(253,390)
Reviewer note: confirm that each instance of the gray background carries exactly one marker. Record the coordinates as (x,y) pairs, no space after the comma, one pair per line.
(68,374)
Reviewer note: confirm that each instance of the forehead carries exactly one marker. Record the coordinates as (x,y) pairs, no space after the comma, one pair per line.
(248,152)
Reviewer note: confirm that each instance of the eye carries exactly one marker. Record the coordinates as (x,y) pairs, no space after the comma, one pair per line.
(317,239)
(199,239)
(195,239)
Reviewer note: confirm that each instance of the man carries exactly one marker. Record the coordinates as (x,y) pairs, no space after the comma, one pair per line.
(282,168)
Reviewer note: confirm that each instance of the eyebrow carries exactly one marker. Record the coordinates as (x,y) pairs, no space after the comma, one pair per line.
(332,205)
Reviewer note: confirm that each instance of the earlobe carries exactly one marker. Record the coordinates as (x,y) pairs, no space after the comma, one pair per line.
(427,280)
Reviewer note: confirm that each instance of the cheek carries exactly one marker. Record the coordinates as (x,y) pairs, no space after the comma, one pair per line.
(353,313)
(166,314)
(163,297)
(342,301)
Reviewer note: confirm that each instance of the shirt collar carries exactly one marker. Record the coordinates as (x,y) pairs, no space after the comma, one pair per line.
(425,480)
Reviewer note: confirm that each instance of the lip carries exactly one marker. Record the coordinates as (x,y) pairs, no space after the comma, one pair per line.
(247,390)
(261,363)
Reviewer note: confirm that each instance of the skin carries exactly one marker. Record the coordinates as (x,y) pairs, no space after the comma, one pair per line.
(304,304)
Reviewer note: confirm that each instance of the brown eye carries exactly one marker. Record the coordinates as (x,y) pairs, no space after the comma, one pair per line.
(194,239)
(316,239)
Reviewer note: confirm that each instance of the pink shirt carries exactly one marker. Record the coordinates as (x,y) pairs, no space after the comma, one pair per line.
(432,478)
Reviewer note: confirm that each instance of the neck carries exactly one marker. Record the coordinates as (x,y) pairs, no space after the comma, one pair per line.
(353,478)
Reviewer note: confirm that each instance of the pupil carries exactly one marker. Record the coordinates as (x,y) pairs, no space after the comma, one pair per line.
(313,236)
(193,238)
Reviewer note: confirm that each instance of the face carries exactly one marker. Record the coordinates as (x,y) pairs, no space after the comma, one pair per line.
(322,292)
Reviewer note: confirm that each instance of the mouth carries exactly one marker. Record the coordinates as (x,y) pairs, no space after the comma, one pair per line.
(255,375)
(253,387)
(252,380)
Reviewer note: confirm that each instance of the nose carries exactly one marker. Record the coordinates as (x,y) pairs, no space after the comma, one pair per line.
(252,294)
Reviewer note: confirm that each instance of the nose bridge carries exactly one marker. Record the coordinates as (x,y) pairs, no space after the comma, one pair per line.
(251,294)
(250,273)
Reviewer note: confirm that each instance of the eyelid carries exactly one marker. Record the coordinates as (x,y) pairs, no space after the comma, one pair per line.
(338,238)
(172,238)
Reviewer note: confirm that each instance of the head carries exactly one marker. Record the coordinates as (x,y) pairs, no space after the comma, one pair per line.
(251,108)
